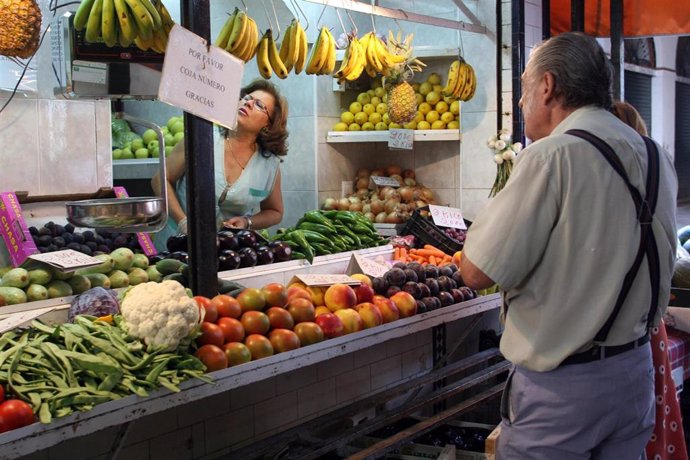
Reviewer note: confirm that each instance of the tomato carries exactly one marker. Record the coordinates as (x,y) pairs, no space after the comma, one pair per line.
(211,312)
(237,353)
(15,413)
(213,357)
(227,306)
(2,393)
(211,334)
(233,331)
(283,340)
(280,318)
(259,346)
(255,322)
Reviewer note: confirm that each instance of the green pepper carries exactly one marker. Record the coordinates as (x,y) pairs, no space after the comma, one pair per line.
(362,229)
(296,255)
(299,238)
(318,228)
(318,218)
(315,237)
(321,249)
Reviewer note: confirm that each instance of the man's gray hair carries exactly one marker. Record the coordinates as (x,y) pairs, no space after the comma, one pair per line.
(582,71)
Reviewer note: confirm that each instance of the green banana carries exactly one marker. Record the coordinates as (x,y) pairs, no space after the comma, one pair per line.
(108,26)
(155,16)
(238,30)
(128,27)
(93,25)
(82,14)
(224,35)
(142,18)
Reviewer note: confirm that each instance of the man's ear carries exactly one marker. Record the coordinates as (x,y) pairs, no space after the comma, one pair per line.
(549,91)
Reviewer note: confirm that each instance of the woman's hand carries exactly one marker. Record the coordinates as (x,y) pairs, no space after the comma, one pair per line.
(237,222)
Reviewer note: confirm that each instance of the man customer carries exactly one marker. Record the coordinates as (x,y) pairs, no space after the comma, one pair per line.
(567,240)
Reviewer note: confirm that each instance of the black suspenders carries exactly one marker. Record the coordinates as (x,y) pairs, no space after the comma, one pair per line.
(645,215)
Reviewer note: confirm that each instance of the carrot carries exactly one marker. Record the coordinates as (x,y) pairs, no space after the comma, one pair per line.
(430,252)
(435,249)
(396,253)
(446,260)
(403,252)
(432,260)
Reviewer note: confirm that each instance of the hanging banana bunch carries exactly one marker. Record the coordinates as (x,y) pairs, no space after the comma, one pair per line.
(146,23)
(353,62)
(378,59)
(294,48)
(268,58)
(239,36)
(322,59)
(462,81)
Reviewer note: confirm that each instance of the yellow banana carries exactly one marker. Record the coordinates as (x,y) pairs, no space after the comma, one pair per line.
(93,25)
(160,40)
(128,27)
(319,53)
(329,65)
(274,57)
(359,61)
(108,26)
(144,44)
(347,63)
(453,73)
(374,54)
(285,47)
(168,22)
(239,28)
(293,51)
(224,34)
(155,15)
(303,49)
(262,57)
(471,82)
(82,15)
(244,49)
(142,19)
(463,79)
(253,40)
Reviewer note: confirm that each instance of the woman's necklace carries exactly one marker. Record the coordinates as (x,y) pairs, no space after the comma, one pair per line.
(232,153)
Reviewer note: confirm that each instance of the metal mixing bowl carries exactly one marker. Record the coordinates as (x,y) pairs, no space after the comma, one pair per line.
(137,214)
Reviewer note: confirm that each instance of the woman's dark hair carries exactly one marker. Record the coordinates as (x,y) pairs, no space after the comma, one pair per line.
(272,139)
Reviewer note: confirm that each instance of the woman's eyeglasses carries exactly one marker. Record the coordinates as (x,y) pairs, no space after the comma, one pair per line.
(259,104)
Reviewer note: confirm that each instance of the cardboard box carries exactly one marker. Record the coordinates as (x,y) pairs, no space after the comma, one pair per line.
(14,230)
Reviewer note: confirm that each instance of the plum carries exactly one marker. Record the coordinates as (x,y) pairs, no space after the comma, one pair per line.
(424,290)
(400,265)
(421,307)
(419,270)
(392,290)
(446,298)
(430,303)
(458,279)
(380,285)
(444,283)
(433,286)
(412,288)
(410,275)
(458,296)
(431,271)
(468,293)
(445,271)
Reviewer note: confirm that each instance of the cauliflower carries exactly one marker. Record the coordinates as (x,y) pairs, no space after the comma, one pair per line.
(160,314)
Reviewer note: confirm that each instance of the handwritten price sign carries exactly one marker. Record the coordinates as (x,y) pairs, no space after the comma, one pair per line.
(444,216)
(382,181)
(66,260)
(401,139)
(324,280)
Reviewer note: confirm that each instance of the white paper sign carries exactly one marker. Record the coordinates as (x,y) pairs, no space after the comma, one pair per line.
(201,79)
(359,264)
(382,181)
(16,320)
(400,139)
(90,72)
(444,216)
(325,280)
(67,260)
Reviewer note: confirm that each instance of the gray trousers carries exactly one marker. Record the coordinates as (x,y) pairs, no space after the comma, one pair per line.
(599,410)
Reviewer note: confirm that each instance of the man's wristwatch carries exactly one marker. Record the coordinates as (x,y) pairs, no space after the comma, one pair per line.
(249,222)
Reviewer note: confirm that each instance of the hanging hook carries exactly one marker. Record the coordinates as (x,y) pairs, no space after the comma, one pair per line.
(352,21)
(299,8)
(245,6)
(340,19)
(462,47)
(323,10)
(270,23)
(373,22)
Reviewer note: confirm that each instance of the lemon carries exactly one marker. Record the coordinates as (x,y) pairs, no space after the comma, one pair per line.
(376,83)
(382,108)
(432,116)
(418,117)
(361,117)
(369,109)
(424,107)
(415,87)
(453,125)
(438,88)
(347,117)
(384,99)
(379,91)
(340,126)
(368,126)
(363,98)
(371,93)
(375,117)
(438,124)
(419,98)
(355,107)
(354,127)
(386,119)
(447,117)
(394,126)
(375,101)
(455,107)
(423,125)
(381,126)
(425,88)
(410,125)
(117,154)
(126,154)
(433,97)
(434,78)
(441,107)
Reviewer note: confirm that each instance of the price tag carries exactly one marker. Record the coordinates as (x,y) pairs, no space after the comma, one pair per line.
(400,139)
(444,216)
(359,264)
(201,79)
(324,280)
(67,260)
(16,320)
(381,181)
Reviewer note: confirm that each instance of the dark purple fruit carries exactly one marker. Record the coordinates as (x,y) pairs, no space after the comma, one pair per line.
(227,240)
(412,288)
(228,260)
(45,231)
(410,275)
(87,234)
(458,296)
(419,270)
(421,307)
(246,238)
(69,228)
(446,298)
(452,267)
(438,302)
(424,290)
(58,230)
(380,285)
(282,251)
(67,237)
(400,265)
(392,290)
(45,240)
(444,283)
(433,286)
(182,256)
(468,293)
(84,249)
(445,271)
(430,303)
(264,255)
(121,241)
(72,246)
(458,279)
(173,243)
(33,230)
(247,257)
(157,257)
(395,277)
(431,271)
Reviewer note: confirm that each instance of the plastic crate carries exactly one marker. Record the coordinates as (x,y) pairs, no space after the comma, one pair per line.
(427,232)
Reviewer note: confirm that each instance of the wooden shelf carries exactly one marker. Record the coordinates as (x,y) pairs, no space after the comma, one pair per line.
(420,135)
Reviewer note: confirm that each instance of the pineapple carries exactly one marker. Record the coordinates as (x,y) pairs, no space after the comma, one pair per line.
(20,27)
(402,102)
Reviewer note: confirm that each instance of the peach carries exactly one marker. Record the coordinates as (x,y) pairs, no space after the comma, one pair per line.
(317,294)
(308,333)
(339,296)
(321,309)
(457,257)
(363,278)
(370,314)
(298,291)
(352,322)
(389,311)
(364,293)
(275,295)
(301,310)
(280,318)
(407,305)
(331,325)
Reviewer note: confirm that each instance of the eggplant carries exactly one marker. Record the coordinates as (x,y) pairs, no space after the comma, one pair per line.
(282,252)
(246,238)
(177,243)
(247,257)
(182,256)
(228,260)
(264,255)
(227,240)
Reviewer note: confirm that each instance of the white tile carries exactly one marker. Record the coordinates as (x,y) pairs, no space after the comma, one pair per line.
(416,361)
(438,166)
(172,446)
(86,447)
(474,201)
(353,385)
(104,146)
(275,412)
(370,355)
(316,398)
(335,366)
(152,426)
(296,379)
(446,197)
(478,168)
(295,205)
(298,168)
(401,344)
(197,411)
(251,394)
(386,372)
(532,15)
(228,430)
(335,164)
(19,164)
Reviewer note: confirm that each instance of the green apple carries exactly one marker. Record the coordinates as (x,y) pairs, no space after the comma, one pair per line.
(178,137)
(117,154)
(169,139)
(172,121)
(178,127)
(127,154)
(149,135)
(153,147)
(137,144)
(165,131)
(168,149)
(141,153)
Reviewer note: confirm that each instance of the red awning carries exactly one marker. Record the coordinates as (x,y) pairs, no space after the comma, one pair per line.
(640,17)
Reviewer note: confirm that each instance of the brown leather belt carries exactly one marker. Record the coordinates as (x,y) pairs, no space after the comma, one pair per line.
(597,352)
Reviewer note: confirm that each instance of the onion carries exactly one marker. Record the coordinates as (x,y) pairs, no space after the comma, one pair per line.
(383,191)
(409,181)
(330,203)
(370,216)
(420,204)
(392,194)
(354,199)
(377,206)
(362,182)
(362,193)
(393,169)
(406,193)
(344,204)
(397,177)
(380,218)
(391,205)
(363,172)
(357,207)
(366,207)
(403,208)
(427,194)
(377,172)
(408,174)
(393,218)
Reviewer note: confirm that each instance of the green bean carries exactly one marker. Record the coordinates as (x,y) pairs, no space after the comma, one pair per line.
(44,413)
(169,385)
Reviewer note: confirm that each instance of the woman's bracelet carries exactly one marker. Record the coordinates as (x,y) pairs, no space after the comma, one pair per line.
(249,222)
